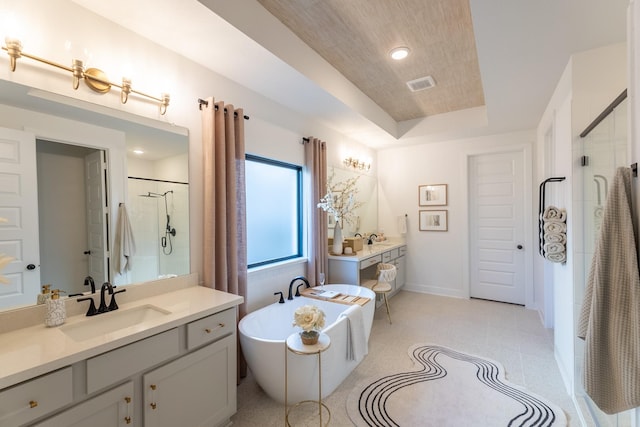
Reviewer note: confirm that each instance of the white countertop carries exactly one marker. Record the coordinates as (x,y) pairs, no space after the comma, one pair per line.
(370,250)
(35,350)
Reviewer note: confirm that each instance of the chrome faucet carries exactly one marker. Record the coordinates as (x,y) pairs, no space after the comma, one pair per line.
(304,279)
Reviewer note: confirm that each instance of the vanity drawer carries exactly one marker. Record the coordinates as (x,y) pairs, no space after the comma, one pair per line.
(402,250)
(370,261)
(386,257)
(115,365)
(211,328)
(35,398)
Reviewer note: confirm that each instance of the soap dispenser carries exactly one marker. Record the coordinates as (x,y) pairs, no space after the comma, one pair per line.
(56,311)
(45,295)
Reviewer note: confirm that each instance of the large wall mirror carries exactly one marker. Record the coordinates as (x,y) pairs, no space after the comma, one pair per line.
(90,168)
(367,194)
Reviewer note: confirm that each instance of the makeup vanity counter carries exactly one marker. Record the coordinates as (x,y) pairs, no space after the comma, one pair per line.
(355,269)
(177,367)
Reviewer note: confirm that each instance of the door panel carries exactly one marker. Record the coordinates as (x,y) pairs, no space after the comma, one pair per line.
(496,202)
(95,169)
(19,206)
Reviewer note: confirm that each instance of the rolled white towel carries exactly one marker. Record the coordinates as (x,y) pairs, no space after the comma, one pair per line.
(557,257)
(551,213)
(555,238)
(598,212)
(554,248)
(555,227)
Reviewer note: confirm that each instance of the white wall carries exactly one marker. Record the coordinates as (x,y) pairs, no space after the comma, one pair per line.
(436,261)
(590,82)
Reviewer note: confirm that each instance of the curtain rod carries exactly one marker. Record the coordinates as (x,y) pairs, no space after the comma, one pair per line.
(202,102)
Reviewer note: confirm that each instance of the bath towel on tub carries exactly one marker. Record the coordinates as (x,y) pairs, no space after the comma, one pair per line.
(357,346)
(610,316)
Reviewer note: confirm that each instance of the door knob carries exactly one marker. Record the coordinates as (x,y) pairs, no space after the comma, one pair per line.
(31,267)
(87,252)
(519,246)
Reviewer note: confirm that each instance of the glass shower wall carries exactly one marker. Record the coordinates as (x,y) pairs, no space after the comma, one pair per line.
(605,149)
(155,209)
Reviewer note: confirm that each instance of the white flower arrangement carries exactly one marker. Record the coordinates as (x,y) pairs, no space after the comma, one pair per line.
(340,200)
(4,261)
(309,318)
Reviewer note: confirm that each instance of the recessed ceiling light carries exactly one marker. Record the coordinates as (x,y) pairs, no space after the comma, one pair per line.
(399,53)
(138,151)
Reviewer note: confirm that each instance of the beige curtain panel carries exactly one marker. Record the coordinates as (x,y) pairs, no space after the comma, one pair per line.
(225,230)
(316,165)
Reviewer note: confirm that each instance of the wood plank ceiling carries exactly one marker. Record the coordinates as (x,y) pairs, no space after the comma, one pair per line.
(356,36)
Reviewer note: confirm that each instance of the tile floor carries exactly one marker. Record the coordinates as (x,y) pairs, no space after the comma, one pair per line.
(506,333)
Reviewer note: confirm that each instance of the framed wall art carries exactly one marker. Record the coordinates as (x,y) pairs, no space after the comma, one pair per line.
(434,221)
(432,195)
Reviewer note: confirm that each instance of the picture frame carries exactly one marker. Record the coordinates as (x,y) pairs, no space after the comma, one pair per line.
(432,195)
(433,220)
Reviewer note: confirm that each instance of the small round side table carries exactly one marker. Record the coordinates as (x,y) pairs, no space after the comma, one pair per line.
(294,345)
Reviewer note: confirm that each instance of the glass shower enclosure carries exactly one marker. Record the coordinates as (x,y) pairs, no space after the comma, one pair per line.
(604,149)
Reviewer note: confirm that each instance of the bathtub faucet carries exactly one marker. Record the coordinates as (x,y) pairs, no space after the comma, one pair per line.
(304,279)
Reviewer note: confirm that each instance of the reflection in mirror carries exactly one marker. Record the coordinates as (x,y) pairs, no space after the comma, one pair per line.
(159,217)
(77,199)
(367,213)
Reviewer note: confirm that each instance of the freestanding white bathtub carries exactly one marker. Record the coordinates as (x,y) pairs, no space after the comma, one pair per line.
(263,334)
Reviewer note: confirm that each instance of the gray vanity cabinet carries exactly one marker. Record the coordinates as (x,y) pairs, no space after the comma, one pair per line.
(357,269)
(193,390)
(113,408)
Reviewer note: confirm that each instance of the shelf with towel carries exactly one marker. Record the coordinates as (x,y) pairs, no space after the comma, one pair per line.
(542,207)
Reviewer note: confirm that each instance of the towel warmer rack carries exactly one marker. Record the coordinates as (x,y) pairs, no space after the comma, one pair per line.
(541,206)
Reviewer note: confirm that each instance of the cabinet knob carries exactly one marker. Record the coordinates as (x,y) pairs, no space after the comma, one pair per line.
(152,386)
(153,405)
(33,404)
(127,420)
(127,399)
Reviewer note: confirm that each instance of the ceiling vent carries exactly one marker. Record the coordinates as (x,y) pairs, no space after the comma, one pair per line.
(421,84)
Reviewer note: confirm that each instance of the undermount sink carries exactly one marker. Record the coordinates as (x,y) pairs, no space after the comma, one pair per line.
(384,245)
(113,321)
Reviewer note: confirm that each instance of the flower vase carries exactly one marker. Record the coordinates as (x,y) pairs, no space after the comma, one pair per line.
(337,240)
(309,337)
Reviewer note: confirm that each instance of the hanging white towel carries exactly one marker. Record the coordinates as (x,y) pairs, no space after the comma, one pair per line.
(357,346)
(124,245)
(402,224)
(610,317)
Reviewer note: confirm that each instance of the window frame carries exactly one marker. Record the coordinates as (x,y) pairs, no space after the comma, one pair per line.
(299,207)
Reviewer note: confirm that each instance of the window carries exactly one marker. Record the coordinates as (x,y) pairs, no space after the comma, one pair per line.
(274,211)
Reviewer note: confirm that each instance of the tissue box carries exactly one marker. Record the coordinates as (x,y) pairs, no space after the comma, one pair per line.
(354,243)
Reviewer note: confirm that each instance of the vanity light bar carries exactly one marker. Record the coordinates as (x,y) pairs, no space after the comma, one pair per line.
(94,78)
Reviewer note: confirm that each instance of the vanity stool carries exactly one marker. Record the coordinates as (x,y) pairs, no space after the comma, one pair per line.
(294,345)
(382,285)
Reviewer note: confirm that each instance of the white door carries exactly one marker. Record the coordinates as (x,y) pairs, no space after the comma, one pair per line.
(496,225)
(95,170)
(19,207)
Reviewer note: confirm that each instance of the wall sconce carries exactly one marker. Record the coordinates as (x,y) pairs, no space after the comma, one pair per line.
(96,79)
(354,163)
